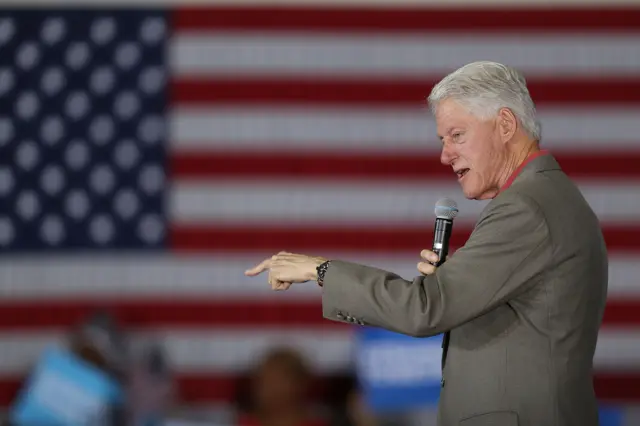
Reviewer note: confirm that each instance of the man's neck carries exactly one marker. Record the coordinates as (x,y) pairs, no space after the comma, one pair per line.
(515,159)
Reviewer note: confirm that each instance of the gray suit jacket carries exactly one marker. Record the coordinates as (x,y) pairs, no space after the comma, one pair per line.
(523,300)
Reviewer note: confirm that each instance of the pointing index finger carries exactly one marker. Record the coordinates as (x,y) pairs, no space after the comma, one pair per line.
(261,267)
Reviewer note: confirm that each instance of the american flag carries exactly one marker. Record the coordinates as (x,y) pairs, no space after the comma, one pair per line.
(148,157)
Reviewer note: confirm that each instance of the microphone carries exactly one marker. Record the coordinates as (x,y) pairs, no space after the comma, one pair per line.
(446,210)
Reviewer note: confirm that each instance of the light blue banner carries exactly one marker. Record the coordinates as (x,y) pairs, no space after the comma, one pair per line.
(398,372)
(65,391)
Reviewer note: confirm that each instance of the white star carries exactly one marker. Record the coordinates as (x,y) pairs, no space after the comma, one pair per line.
(7,231)
(152,30)
(77,154)
(53,30)
(27,155)
(28,55)
(151,229)
(77,204)
(27,105)
(52,230)
(101,229)
(102,179)
(103,30)
(126,203)
(7,29)
(7,80)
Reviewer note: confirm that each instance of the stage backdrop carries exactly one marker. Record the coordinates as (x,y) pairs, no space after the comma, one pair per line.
(147,158)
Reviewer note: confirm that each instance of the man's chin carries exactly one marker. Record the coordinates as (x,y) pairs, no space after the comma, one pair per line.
(476,193)
(469,193)
(479,196)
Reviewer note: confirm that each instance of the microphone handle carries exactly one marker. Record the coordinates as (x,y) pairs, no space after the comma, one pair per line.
(441,236)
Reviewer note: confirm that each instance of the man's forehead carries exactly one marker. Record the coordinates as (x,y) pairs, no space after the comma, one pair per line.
(449,108)
(446,118)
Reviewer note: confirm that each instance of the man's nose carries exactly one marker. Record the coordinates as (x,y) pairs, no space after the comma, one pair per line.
(447,155)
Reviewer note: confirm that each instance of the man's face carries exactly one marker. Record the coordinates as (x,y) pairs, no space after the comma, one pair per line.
(472,147)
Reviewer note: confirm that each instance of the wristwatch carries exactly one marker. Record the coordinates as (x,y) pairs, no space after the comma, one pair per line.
(322,269)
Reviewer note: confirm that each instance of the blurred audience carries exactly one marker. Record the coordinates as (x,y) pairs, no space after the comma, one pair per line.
(279,392)
(102,343)
(279,395)
(358,414)
(150,388)
(350,408)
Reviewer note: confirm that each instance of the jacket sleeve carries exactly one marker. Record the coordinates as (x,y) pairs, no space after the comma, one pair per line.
(508,250)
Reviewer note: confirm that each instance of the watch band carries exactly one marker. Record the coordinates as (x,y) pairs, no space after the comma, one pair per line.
(322,270)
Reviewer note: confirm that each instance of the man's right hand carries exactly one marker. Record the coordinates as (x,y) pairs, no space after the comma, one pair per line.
(426,267)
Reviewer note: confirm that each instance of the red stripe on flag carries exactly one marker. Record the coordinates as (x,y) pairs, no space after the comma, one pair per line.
(616,387)
(246,314)
(196,388)
(226,238)
(221,388)
(209,388)
(469,19)
(39,315)
(250,165)
(623,387)
(307,91)
(622,313)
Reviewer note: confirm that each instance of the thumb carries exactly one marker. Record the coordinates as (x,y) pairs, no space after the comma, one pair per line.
(258,268)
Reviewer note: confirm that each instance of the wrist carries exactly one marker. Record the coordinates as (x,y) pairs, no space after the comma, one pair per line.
(313,270)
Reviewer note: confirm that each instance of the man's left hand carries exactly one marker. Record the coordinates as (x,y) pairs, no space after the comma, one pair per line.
(287,268)
(427,267)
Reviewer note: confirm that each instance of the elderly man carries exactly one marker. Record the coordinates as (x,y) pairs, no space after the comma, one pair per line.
(522,300)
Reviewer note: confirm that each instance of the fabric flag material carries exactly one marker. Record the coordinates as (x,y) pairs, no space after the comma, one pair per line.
(148,157)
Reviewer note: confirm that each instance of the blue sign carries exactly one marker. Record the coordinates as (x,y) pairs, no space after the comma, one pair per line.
(398,372)
(65,391)
(611,415)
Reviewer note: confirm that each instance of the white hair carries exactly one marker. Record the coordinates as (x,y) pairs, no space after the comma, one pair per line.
(486,87)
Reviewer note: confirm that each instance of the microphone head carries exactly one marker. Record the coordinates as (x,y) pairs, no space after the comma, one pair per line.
(446,208)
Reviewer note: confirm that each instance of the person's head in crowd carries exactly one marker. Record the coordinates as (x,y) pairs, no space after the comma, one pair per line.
(280,390)
(99,341)
(281,380)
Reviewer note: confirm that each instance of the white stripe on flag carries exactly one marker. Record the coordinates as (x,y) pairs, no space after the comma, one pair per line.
(363,203)
(125,277)
(385,130)
(217,351)
(201,53)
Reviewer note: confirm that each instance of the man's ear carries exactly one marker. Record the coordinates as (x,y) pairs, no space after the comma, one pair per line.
(507,124)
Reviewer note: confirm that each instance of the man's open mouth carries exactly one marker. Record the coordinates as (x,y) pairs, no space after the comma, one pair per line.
(461,173)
